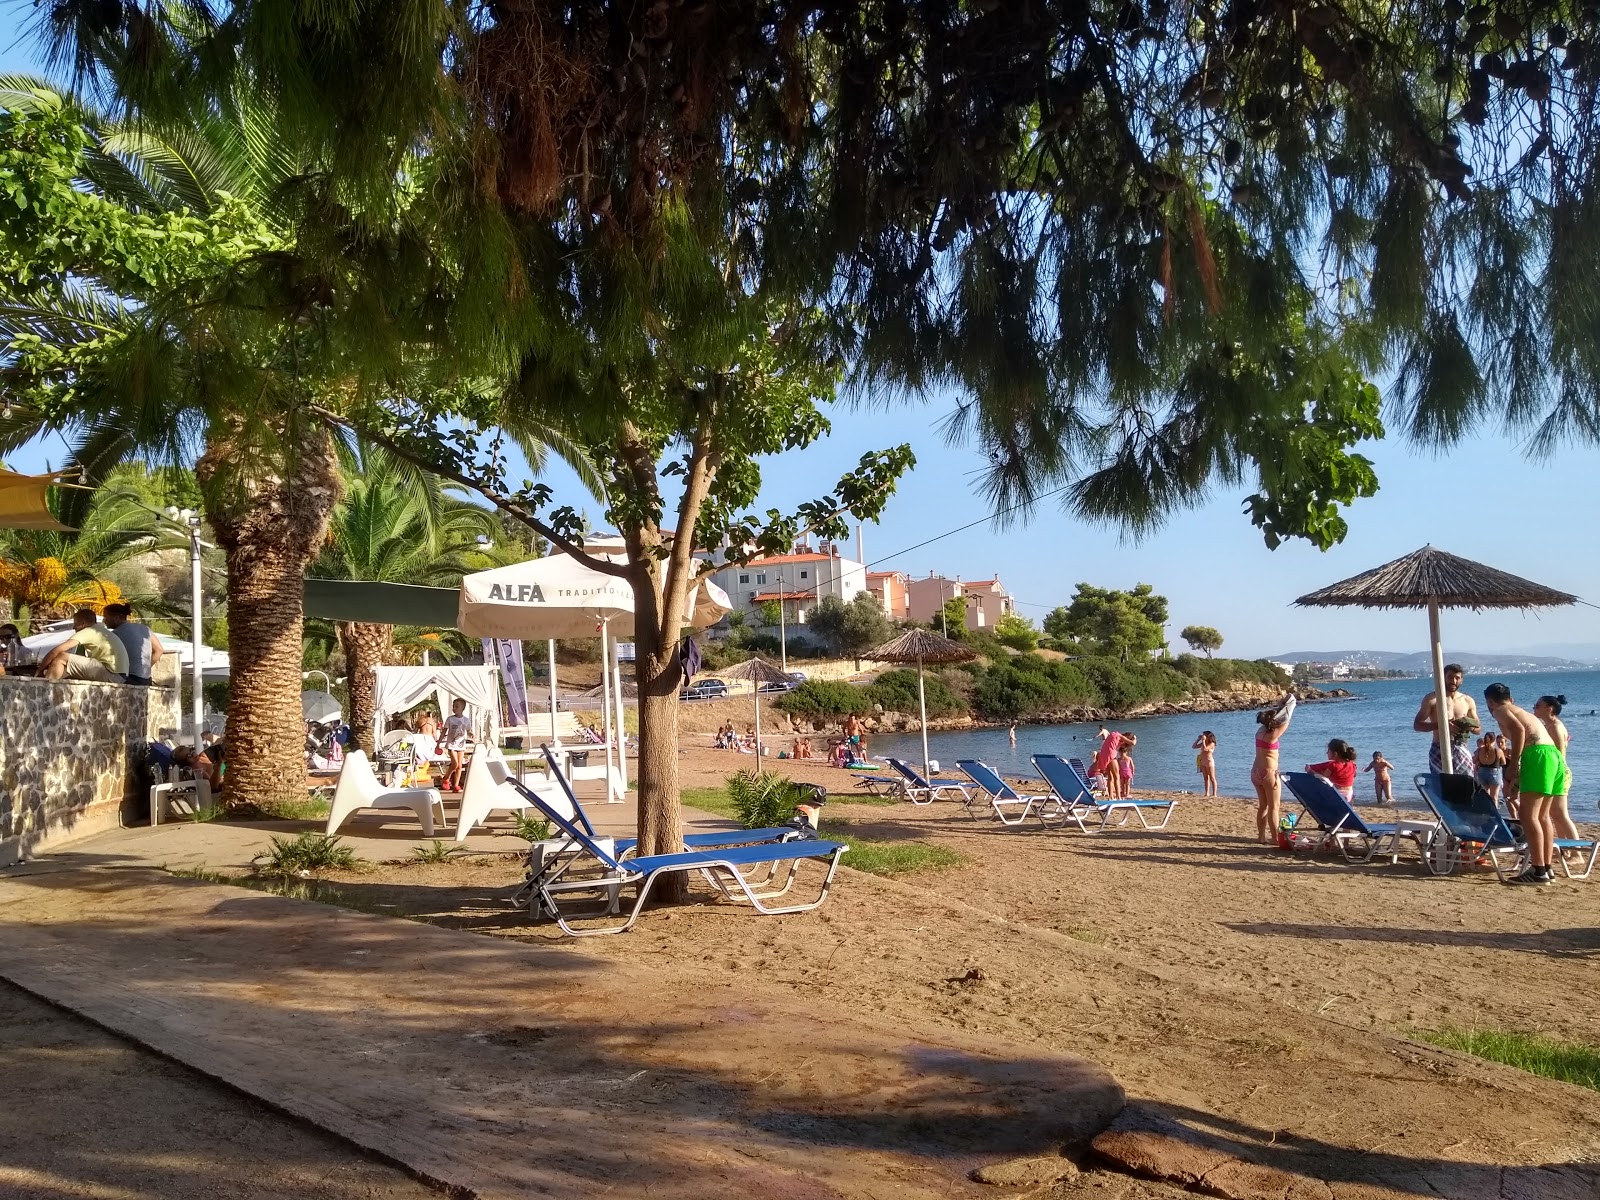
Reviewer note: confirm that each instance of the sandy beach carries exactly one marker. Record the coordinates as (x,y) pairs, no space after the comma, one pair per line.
(1267,994)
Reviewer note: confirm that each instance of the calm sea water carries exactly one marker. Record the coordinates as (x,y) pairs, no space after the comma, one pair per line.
(1378,719)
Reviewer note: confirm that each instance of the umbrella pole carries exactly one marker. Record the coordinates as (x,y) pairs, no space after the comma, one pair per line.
(622,726)
(605,702)
(755,694)
(1441,705)
(550,648)
(922,710)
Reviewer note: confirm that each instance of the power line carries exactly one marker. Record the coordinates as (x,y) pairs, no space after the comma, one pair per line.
(970,524)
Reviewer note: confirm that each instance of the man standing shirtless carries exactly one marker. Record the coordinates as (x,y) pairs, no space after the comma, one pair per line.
(1540,778)
(1463,723)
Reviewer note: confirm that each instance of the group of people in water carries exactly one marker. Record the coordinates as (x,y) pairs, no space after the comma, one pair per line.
(1526,760)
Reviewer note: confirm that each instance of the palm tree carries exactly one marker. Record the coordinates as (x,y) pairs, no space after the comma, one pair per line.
(395,525)
(188,342)
(47,573)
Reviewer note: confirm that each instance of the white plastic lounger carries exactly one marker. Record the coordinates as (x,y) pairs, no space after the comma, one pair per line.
(487,791)
(1004,800)
(1076,803)
(921,791)
(359,789)
(719,866)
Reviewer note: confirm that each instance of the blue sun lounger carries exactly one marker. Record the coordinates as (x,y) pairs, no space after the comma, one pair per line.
(608,872)
(1001,795)
(922,791)
(1471,826)
(1073,800)
(692,841)
(1338,825)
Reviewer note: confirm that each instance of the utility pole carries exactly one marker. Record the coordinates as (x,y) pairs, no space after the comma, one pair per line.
(783,629)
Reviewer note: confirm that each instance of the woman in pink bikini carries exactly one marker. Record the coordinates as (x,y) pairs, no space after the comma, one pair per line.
(1274,724)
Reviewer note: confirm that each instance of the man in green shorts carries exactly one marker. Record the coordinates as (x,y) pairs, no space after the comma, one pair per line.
(1539,782)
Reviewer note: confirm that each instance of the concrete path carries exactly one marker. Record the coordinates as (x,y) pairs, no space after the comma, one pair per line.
(510,1070)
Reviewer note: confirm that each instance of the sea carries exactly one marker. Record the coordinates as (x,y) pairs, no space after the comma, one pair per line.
(1377,717)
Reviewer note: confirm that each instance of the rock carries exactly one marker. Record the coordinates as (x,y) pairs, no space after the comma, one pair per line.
(1040,1171)
(1147,1143)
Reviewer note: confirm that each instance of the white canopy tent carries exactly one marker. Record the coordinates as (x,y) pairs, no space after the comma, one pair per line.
(398,688)
(560,597)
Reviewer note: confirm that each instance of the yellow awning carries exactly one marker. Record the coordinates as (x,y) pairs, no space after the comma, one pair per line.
(24,502)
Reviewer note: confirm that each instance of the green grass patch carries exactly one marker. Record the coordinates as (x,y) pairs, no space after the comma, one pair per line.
(1570,1062)
(884,856)
(711,800)
(313,808)
(201,872)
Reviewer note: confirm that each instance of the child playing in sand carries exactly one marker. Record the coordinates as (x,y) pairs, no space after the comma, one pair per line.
(1206,761)
(1380,768)
(1340,769)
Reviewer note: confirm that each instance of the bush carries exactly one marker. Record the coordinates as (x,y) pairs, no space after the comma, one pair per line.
(763,799)
(825,698)
(307,853)
(897,692)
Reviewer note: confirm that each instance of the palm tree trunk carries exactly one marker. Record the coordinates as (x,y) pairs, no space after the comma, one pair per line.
(270,517)
(366,647)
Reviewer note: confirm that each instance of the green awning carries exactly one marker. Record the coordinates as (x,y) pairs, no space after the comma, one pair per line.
(381,603)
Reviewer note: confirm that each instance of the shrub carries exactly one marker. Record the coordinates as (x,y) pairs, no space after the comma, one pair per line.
(309,852)
(530,829)
(763,799)
(825,698)
(437,852)
(897,692)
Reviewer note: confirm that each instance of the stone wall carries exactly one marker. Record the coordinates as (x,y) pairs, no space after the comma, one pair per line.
(69,757)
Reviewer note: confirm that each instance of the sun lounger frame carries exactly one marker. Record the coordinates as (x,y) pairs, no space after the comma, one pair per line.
(1002,797)
(1467,834)
(913,785)
(1340,826)
(719,866)
(1072,799)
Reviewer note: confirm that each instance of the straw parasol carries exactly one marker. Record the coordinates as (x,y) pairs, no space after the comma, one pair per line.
(1432,579)
(922,646)
(758,671)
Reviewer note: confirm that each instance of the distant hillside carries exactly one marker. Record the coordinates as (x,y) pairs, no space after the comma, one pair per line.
(1421,662)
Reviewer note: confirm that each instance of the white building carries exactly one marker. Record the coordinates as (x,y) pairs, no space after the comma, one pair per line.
(797,581)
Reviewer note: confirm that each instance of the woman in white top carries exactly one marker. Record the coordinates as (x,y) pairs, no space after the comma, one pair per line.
(457,737)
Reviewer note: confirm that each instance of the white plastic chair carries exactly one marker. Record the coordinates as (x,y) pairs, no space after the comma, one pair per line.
(359,788)
(488,789)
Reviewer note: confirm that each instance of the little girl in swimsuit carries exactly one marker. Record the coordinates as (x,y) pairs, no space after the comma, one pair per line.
(1274,723)
(1206,761)
(1339,769)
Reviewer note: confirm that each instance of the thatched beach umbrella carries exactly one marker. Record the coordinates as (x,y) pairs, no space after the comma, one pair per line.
(1432,579)
(921,646)
(758,671)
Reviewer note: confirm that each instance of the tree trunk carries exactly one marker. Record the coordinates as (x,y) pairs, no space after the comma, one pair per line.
(269,509)
(366,647)
(658,673)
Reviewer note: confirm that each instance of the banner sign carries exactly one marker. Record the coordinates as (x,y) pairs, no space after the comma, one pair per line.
(507,654)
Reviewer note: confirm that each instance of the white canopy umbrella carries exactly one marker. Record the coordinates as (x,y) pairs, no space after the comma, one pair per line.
(560,597)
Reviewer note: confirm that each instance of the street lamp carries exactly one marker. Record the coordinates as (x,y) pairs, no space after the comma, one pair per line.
(188,519)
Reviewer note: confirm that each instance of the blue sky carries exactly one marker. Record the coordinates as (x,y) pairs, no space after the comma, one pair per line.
(1482,499)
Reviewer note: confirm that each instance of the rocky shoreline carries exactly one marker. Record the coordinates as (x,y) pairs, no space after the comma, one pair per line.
(1239,697)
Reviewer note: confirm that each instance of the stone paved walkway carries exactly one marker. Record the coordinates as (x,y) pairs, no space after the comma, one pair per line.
(507,1070)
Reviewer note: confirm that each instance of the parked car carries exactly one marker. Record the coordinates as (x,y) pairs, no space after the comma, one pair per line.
(704,689)
(798,676)
(769,688)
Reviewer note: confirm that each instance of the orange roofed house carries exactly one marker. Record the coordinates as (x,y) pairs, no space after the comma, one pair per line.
(987,599)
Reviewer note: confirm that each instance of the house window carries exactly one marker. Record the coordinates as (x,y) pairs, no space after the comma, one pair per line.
(761,578)
(805,574)
(744,579)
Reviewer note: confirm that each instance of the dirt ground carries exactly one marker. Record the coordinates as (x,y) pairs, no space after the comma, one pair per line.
(160,1131)
(1264,994)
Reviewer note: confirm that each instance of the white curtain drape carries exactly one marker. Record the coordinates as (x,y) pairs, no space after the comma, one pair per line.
(398,688)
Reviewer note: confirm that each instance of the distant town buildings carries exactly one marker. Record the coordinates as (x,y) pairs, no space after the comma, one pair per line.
(799,579)
(986,599)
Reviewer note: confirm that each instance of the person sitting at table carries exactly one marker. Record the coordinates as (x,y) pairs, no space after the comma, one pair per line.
(12,652)
(100,657)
